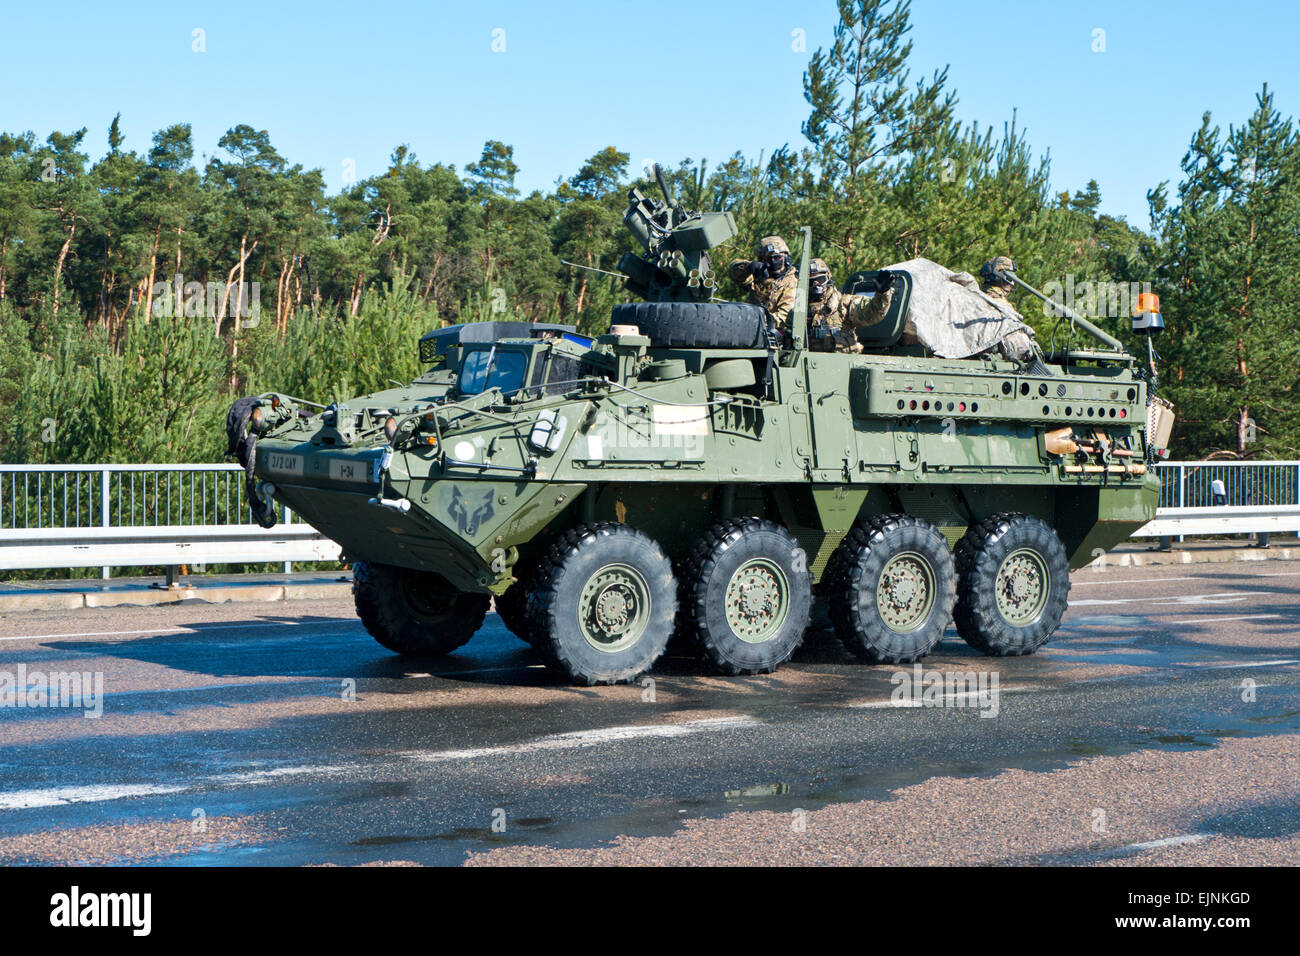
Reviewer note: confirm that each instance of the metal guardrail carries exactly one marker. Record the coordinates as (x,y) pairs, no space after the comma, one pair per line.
(1259,497)
(1186,484)
(106,516)
(1244,519)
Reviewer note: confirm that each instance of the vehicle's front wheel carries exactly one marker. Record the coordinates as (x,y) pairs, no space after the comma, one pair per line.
(513,605)
(414,612)
(892,589)
(1013,584)
(603,607)
(748,595)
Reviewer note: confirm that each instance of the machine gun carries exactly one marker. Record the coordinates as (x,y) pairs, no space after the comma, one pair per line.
(675,266)
(1065,312)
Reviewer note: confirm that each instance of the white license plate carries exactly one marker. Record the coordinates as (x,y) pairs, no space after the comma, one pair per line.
(284,464)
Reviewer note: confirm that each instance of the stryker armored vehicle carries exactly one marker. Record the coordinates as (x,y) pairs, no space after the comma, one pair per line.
(697,472)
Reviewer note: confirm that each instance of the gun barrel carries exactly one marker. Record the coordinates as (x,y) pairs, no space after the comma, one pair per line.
(663,185)
(579,265)
(1098,333)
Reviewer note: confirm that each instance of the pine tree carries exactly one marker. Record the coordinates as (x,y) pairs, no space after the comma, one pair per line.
(1227,272)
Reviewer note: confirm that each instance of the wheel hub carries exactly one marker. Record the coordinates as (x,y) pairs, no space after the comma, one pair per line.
(757,599)
(614,607)
(1021,587)
(905,594)
(425,596)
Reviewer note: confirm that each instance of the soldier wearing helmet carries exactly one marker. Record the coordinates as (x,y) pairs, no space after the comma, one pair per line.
(769,278)
(834,316)
(993,282)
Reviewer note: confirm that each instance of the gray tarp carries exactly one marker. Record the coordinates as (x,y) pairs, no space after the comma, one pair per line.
(950,316)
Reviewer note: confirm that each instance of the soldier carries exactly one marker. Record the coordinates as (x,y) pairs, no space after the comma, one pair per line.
(994,285)
(834,317)
(1019,345)
(770,279)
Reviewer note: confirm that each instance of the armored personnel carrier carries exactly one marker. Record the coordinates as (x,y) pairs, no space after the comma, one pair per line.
(695,472)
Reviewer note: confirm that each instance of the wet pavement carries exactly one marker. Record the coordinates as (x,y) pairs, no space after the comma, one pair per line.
(1158,726)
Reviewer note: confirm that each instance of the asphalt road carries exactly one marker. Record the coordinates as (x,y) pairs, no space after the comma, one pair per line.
(1159,726)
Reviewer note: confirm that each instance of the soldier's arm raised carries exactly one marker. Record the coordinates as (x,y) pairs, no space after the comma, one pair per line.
(741,274)
(862,311)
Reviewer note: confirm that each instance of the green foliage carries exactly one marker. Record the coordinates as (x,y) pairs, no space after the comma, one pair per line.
(91,341)
(323,356)
(1226,260)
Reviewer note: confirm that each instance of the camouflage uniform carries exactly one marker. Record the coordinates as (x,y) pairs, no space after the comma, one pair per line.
(776,294)
(992,286)
(1019,345)
(841,315)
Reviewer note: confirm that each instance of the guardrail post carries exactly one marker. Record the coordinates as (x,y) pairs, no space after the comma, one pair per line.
(104,572)
(287,567)
(1182,491)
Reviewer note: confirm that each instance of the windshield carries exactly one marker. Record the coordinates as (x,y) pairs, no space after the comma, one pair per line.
(487,368)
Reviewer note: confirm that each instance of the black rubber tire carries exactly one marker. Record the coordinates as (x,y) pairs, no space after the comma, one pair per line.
(416,613)
(366,599)
(979,555)
(554,604)
(856,570)
(718,325)
(708,573)
(512,607)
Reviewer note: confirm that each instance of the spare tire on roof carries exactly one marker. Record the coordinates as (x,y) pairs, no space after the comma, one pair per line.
(717,325)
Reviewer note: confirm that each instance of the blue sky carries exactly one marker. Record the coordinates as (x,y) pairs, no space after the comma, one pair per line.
(666,80)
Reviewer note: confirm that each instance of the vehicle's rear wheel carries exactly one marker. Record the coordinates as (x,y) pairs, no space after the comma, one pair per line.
(748,595)
(893,589)
(1013,584)
(414,612)
(604,604)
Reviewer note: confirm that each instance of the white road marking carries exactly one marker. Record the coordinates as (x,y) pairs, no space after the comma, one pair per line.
(51,637)
(1218,618)
(1218,597)
(1232,665)
(587,738)
(56,796)
(1168,841)
(443,675)
(964,695)
(277,773)
(1185,577)
(1193,577)
(184,629)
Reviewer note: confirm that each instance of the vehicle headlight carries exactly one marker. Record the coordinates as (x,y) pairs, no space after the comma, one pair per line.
(390,427)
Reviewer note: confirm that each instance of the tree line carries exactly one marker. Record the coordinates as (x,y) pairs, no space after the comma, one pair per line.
(140,294)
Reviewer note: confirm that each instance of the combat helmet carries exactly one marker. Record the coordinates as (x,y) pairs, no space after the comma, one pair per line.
(990,272)
(820,280)
(775,254)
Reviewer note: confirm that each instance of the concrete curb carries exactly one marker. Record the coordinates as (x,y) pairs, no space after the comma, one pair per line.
(147,597)
(1131,559)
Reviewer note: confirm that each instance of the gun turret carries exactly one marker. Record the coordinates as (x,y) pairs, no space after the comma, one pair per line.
(675,266)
